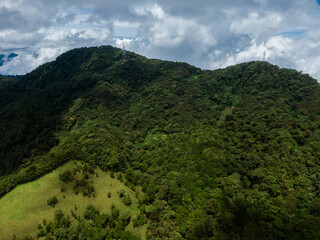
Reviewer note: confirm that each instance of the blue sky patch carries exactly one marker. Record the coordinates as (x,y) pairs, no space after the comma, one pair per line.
(7,58)
(295,34)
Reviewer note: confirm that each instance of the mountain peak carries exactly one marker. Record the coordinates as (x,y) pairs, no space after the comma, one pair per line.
(215,153)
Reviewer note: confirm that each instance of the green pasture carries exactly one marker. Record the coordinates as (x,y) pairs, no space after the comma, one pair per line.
(22,209)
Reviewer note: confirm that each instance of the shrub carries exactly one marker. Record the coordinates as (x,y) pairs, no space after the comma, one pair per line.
(127,235)
(91,212)
(27,238)
(88,190)
(122,193)
(86,175)
(66,177)
(115,213)
(74,215)
(119,177)
(52,201)
(127,200)
(41,233)
(140,220)
(60,220)
(125,218)
(84,187)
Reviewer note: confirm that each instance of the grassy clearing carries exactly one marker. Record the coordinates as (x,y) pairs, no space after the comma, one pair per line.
(24,207)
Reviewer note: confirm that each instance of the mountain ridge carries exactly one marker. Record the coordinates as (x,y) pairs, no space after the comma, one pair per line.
(216,152)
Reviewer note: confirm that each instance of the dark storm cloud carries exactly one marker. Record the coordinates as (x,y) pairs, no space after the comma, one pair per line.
(9,18)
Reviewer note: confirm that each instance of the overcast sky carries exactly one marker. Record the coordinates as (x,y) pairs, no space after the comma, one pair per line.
(210,34)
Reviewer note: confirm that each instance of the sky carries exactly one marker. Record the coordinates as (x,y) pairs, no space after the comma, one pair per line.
(209,34)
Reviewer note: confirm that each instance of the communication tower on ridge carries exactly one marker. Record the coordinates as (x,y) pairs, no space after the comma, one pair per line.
(124,53)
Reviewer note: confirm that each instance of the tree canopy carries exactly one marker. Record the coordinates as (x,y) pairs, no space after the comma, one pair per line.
(225,154)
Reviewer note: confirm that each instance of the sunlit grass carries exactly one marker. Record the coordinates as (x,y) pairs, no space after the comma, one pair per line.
(22,209)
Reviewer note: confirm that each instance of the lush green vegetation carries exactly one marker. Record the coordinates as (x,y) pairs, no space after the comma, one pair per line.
(5,81)
(52,201)
(24,208)
(92,225)
(226,154)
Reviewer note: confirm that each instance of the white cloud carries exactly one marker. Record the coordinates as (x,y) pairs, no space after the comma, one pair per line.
(256,25)
(125,29)
(303,55)
(155,10)
(120,43)
(208,34)
(56,34)
(24,62)
(6,32)
(102,35)
(172,38)
(10,4)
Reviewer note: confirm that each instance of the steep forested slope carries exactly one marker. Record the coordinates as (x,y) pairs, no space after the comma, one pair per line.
(226,154)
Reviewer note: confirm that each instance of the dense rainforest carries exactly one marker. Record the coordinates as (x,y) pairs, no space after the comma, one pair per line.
(226,154)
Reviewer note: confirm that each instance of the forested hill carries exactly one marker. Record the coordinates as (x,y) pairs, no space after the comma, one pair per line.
(225,154)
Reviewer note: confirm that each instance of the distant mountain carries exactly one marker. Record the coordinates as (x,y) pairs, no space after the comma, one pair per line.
(225,154)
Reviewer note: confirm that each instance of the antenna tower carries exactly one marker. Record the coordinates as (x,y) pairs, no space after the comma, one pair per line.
(264,55)
(124,54)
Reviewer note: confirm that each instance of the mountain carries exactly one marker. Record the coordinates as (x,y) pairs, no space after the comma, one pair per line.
(225,154)
(7,80)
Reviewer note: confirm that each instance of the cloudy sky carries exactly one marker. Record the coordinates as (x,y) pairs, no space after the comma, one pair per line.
(210,34)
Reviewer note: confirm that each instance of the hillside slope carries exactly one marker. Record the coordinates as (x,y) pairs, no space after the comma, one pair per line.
(26,206)
(225,154)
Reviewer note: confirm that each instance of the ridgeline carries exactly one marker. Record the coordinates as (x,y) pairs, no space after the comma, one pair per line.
(225,154)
